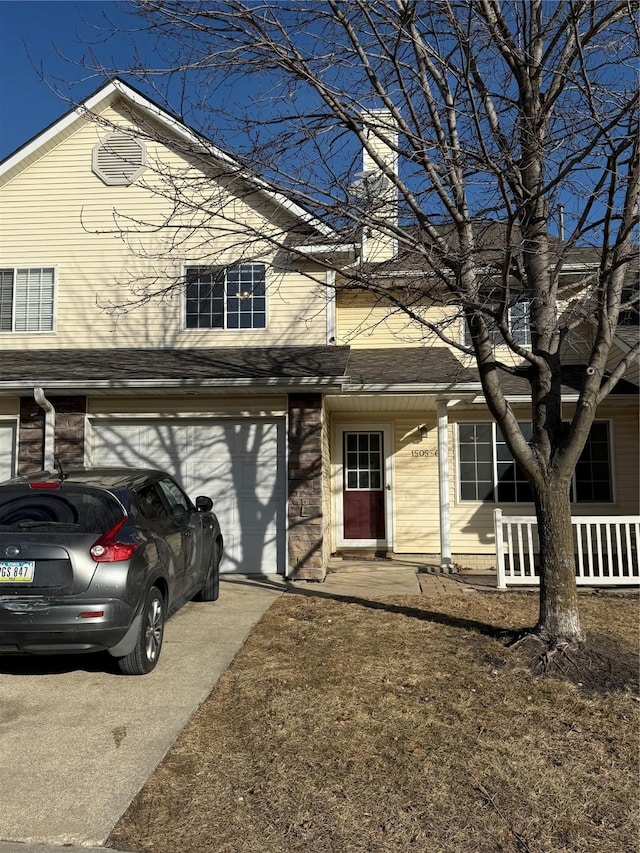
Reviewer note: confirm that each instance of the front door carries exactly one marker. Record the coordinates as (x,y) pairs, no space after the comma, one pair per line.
(363,487)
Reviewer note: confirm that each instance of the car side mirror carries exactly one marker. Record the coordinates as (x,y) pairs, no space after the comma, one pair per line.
(204,503)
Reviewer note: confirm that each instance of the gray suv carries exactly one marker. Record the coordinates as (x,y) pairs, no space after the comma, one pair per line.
(97,559)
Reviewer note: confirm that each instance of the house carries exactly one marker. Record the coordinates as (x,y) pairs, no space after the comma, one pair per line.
(318,423)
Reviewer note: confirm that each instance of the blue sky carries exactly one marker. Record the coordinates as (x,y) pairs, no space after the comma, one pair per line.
(32,35)
(45,46)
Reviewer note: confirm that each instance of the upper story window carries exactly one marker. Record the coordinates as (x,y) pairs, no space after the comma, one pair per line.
(519,325)
(488,472)
(27,299)
(233,298)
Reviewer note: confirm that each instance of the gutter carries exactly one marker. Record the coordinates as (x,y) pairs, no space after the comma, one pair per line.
(351,387)
(325,248)
(48,455)
(88,386)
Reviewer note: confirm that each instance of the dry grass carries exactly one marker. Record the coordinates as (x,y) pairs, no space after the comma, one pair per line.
(405,725)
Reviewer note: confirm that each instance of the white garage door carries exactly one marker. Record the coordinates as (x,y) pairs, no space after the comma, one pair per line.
(239,464)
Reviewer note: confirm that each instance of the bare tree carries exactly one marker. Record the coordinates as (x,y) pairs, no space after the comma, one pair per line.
(499,118)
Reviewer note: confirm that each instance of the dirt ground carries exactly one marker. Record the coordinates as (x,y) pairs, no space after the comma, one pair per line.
(406,724)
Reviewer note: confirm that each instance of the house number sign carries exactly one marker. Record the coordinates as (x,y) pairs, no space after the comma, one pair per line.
(421,454)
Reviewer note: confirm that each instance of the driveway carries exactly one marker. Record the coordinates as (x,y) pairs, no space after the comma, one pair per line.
(77,742)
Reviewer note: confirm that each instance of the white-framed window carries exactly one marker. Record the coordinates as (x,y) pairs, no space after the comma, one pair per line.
(27,299)
(519,325)
(487,471)
(231,298)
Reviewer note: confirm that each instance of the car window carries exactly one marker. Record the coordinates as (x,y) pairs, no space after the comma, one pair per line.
(88,511)
(174,495)
(150,502)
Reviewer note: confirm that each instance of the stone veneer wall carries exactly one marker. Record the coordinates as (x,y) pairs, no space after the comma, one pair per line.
(69,433)
(306,559)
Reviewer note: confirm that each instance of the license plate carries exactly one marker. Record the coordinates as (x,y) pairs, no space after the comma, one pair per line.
(17,571)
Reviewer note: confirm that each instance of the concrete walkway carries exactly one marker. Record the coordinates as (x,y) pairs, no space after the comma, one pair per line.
(381,578)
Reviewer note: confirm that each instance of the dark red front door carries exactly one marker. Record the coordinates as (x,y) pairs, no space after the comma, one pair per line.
(363,499)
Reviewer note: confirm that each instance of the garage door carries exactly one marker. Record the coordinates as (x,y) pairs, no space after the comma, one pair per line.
(239,464)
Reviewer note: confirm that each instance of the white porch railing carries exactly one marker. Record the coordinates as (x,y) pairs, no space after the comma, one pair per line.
(607,550)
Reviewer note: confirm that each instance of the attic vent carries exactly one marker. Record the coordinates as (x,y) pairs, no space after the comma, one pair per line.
(119,159)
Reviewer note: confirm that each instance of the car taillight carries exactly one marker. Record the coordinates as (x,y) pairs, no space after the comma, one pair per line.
(48,485)
(108,550)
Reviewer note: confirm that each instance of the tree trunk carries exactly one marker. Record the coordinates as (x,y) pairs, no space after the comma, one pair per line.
(559,620)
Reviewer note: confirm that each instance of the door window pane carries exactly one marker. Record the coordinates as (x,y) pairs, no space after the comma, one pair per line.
(363,460)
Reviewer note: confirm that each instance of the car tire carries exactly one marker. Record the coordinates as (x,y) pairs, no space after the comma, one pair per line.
(211,587)
(146,653)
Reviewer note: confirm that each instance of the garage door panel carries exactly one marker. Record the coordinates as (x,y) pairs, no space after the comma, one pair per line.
(239,464)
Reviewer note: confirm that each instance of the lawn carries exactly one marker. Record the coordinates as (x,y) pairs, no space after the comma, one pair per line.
(404,724)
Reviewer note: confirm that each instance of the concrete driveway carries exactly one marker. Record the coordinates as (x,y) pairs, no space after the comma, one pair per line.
(77,742)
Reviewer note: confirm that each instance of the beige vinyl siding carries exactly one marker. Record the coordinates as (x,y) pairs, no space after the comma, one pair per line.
(59,213)
(363,322)
(625,430)
(10,406)
(415,487)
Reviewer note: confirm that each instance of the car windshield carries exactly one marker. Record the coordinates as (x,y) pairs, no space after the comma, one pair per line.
(68,507)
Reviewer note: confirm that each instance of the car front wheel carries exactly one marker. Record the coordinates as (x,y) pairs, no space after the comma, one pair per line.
(146,653)
(210,589)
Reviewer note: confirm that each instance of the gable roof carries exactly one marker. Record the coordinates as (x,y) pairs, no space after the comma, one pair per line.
(117,89)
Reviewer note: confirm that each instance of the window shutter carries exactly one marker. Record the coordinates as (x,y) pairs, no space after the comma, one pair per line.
(6,300)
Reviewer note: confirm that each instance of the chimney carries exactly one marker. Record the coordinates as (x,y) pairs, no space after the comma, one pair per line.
(382,135)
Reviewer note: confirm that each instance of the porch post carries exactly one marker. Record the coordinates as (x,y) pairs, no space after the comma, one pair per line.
(443,484)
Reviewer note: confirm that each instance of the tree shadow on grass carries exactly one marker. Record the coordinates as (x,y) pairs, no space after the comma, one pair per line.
(599,666)
(420,613)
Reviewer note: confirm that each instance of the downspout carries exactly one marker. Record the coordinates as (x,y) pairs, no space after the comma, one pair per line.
(49,428)
(443,484)
(331,306)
